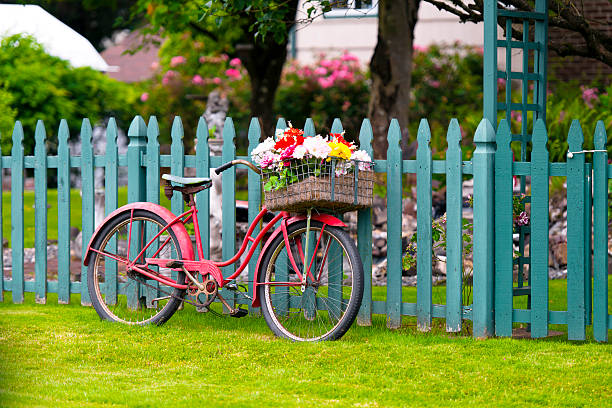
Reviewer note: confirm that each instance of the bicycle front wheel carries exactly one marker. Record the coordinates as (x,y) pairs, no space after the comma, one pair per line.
(326,305)
(126,296)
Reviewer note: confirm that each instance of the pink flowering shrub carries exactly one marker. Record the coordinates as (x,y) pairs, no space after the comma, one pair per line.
(329,88)
(187,72)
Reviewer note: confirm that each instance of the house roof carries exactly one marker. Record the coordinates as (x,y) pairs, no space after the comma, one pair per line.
(131,67)
(57,38)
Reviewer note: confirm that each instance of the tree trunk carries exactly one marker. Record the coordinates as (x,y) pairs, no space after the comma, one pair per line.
(391,70)
(264,62)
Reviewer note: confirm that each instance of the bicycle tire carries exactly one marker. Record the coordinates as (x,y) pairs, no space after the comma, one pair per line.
(135,300)
(291,313)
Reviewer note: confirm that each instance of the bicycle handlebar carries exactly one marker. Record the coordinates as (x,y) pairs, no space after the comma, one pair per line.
(227,165)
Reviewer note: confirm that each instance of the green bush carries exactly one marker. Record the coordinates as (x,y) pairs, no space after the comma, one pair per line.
(39,86)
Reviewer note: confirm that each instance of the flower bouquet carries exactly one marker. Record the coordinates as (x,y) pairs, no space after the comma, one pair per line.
(304,172)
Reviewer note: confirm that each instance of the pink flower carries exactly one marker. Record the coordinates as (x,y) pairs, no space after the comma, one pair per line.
(325,82)
(144,97)
(320,71)
(178,60)
(518,116)
(589,95)
(434,84)
(154,65)
(346,105)
(349,57)
(419,48)
(217,80)
(197,80)
(325,63)
(168,76)
(522,219)
(224,57)
(202,59)
(235,62)
(233,73)
(287,153)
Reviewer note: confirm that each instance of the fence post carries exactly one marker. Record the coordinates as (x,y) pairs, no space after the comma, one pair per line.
(17,165)
(600,235)
(484,224)
(228,207)
(364,236)
(575,236)
(63,214)
(454,228)
(40,212)
(394,229)
(424,235)
(88,206)
(254,181)
(110,204)
(137,174)
(538,250)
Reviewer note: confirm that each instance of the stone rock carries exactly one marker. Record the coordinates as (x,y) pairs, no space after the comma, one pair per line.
(559,253)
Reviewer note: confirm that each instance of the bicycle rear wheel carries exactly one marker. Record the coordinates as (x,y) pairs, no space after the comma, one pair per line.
(127,296)
(327,305)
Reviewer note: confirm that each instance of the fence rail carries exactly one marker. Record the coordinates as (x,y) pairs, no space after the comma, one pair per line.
(492,168)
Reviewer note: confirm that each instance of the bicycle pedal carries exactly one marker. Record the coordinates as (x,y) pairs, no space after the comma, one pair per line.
(239,312)
(174,264)
(202,309)
(231,286)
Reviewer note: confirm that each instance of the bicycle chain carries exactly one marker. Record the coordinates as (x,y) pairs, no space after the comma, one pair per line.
(196,304)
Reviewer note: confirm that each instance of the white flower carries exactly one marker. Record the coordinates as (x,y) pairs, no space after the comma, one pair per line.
(264,147)
(299,152)
(317,147)
(363,158)
(279,133)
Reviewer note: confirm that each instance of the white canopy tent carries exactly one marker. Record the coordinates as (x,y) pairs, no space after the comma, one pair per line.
(56,37)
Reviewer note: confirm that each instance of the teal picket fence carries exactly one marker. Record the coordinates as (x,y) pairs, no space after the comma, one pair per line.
(491,167)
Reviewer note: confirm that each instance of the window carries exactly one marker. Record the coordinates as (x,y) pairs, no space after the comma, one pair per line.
(353,8)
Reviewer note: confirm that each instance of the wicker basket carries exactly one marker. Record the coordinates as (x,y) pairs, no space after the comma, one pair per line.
(319,189)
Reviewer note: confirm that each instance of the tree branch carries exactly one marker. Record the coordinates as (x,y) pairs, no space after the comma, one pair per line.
(563,14)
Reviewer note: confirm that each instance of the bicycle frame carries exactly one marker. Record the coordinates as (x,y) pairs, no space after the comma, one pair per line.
(204,266)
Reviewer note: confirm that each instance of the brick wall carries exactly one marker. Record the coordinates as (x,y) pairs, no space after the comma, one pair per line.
(585,70)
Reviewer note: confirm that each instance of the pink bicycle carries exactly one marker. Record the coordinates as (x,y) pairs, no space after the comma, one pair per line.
(142,267)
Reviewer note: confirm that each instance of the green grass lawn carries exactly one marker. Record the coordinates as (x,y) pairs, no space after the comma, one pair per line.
(63,355)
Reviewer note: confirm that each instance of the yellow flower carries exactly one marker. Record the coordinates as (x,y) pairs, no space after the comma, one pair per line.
(339,150)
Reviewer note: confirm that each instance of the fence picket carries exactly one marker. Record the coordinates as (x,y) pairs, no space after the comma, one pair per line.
(40,212)
(254,186)
(600,235)
(228,207)
(484,255)
(63,214)
(87,215)
(394,229)
(309,128)
(110,204)
(203,197)
(282,273)
(424,234)
(17,166)
(137,135)
(575,236)
(177,162)
(364,235)
(538,251)
(335,252)
(503,231)
(454,228)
